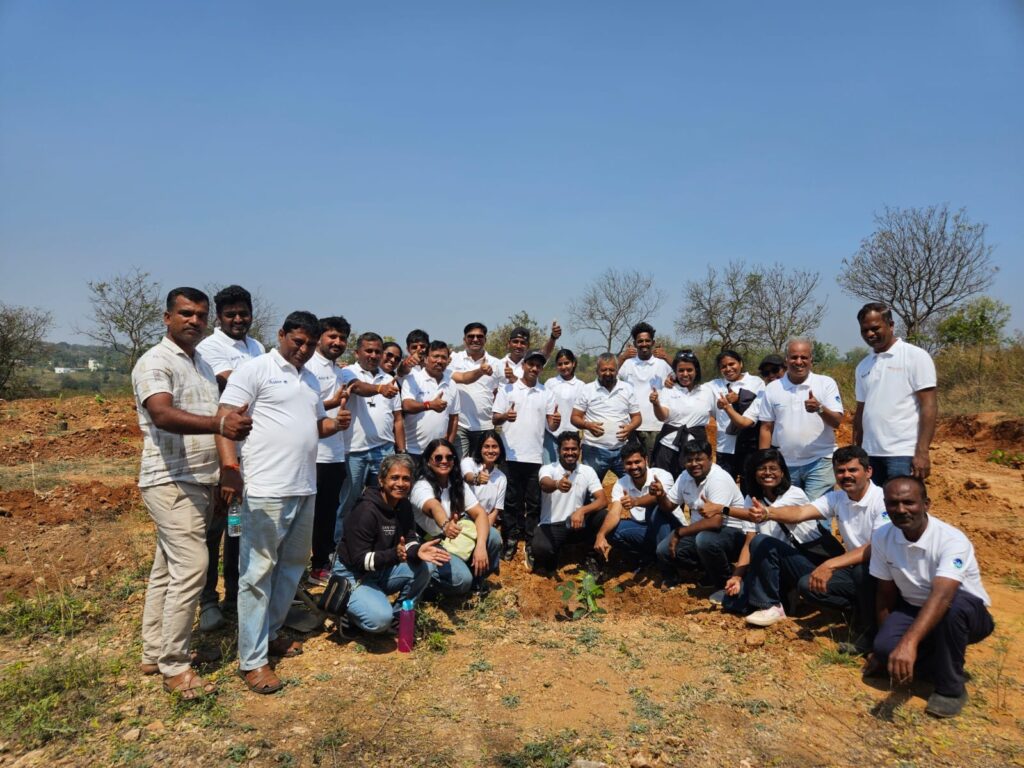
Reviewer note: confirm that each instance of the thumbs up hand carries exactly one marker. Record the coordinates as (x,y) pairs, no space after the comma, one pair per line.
(565,484)
(485,367)
(654,395)
(511,414)
(811,404)
(400,549)
(556,329)
(510,375)
(437,405)
(236,424)
(555,419)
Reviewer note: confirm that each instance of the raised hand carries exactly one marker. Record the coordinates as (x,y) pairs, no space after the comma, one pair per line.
(236,424)
(388,390)
(661,354)
(811,404)
(555,419)
(485,367)
(343,419)
(511,414)
(565,484)
(656,488)
(556,329)
(510,375)
(437,405)
(758,512)
(400,549)
(483,477)
(653,397)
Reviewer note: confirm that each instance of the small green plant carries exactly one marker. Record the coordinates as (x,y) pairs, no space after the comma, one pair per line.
(1007,459)
(511,701)
(585,590)
(645,708)
(481,665)
(437,642)
(553,752)
(237,752)
(325,749)
(59,614)
(830,655)
(100,400)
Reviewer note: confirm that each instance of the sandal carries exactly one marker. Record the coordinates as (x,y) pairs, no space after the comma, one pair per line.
(261,680)
(189,685)
(284,648)
(197,658)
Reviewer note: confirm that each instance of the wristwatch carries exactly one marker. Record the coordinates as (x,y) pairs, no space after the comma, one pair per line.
(820,408)
(725,511)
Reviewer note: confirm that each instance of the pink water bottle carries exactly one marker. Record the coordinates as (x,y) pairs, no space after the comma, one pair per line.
(406,626)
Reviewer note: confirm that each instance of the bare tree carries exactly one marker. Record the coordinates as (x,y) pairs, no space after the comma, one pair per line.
(922,262)
(127,313)
(21,334)
(613,303)
(718,308)
(784,306)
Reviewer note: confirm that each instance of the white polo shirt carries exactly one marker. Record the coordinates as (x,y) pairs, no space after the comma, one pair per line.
(686,408)
(558,507)
(612,409)
(491,494)
(331,450)
(421,428)
(887,383)
(625,486)
(717,487)
(373,418)
(643,376)
(565,392)
(524,437)
(801,436)
(224,354)
(942,551)
(279,456)
(803,532)
(476,400)
(857,519)
(724,442)
(422,493)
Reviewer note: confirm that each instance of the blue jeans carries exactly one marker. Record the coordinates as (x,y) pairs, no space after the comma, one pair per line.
(884,467)
(456,577)
(275,543)
(603,460)
(363,468)
(816,478)
(550,448)
(369,607)
(642,539)
(775,567)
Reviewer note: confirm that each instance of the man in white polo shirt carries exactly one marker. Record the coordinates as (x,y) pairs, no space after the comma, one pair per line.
(644,372)
(225,349)
(931,602)
(430,401)
(510,367)
(565,512)
(896,399)
(799,415)
(714,538)
(608,413)
(279,474)
(523,410)
(330,453)
(377,426)
(473,370)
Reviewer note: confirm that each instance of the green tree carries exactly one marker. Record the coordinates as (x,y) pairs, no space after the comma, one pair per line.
(497,338)
(981,322)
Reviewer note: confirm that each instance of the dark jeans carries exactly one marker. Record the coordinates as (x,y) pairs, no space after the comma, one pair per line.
(734,464)
(467,440)
(642,539)
(775,568)
(522,501)
(715,551)
(549,538)
(214,533)
(884,467)
(851,590)
(329,479)
(940,655)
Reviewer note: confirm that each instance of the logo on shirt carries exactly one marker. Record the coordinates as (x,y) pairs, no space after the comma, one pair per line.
(958,563)
(277,381)
(884,515)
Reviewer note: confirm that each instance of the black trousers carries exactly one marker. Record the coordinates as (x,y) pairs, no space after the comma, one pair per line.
(522,501)
(214,533)
(549,538)
(329,479)
(851,591)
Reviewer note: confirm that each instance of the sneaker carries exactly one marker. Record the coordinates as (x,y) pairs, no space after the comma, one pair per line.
(717,597)
(945,706)
(318,577)
(529,558)
(509,549)
(670,582)
(767,616)
(210,618)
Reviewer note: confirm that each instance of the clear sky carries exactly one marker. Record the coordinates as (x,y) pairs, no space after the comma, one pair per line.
(424,164)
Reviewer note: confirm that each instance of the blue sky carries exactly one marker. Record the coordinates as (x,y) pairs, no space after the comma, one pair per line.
(424,164)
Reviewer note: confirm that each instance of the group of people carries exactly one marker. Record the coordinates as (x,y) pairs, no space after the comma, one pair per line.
(397,472)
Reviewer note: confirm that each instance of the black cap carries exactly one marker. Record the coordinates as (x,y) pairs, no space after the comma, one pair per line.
(536,353)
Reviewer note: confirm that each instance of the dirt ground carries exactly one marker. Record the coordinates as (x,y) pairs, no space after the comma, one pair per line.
(662,679)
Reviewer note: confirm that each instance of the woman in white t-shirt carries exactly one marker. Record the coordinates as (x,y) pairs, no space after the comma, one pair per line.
(441,500)
(735,394)
(566,388)
(685,408)
(481,472)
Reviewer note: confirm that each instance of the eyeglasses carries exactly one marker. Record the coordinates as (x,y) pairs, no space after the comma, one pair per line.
(442,458)
(391,355)
(475,336)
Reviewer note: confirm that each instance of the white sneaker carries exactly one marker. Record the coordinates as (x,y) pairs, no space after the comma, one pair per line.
(767,616)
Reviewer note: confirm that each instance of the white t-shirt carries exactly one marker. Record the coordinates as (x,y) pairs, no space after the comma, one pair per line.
(331,450)
(477,399)
(887,384)
(625,486)
(279,456)
(565,393)
(558,507)
(686,408)
(717,487)
(612,409)
(803,532)
(643,376)
(857,519)
(224,354)
(491,494)
(421,428)
(422,493)
(373,418)
(942,551)
(524,437)
(724,442)
(802,437)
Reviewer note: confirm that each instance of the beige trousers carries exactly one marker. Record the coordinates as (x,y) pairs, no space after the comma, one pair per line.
(182,512)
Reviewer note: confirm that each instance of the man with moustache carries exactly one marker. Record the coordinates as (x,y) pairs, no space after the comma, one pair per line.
(608,413)
(430,401)
(472,369)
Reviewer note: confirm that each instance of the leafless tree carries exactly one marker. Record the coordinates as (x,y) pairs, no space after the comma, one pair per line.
(21,334)
(612,304)
(922,262)
(784,305)
(127,313)
(718,309)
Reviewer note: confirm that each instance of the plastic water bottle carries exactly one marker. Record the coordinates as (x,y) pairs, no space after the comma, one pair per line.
(235,518)
(406,626)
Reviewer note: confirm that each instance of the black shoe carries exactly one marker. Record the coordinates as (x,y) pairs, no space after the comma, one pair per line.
(529,558)
(347,631)
(945,706)
(509,549)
